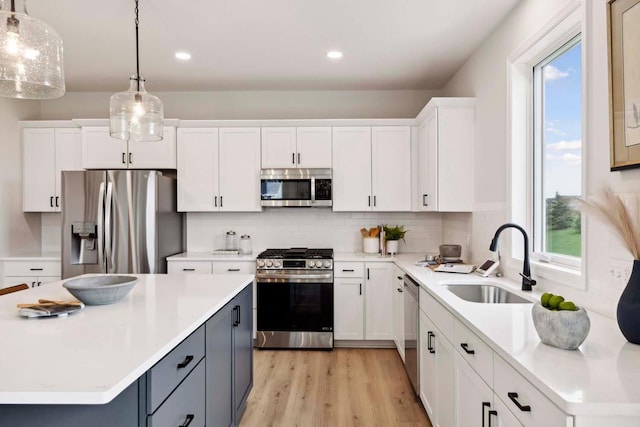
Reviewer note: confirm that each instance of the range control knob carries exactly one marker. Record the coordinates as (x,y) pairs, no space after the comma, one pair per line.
(327,264)
(312,264)
(277,264)
(260,263)
(269,263)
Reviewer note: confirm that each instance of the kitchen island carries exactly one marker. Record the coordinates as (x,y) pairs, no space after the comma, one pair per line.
(142,361)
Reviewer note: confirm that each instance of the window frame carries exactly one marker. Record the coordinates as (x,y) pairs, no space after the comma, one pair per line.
(558,31)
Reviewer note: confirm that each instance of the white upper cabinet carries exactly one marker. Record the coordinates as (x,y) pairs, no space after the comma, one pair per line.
(445,150)
(290,147)
(372,168)
(46,153)
(101,151)
(218,169)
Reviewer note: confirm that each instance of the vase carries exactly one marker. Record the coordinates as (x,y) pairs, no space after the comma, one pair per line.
(392,246)
(629,307)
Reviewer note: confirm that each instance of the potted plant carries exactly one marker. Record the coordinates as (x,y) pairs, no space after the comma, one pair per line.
(392,235)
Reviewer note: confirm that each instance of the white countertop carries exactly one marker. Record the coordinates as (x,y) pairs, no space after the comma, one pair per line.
(208,256)
(602,377)
(91,356)
(44,256)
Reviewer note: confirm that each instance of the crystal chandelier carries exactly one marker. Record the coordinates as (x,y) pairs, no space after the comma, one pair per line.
(30,55)
(136,115)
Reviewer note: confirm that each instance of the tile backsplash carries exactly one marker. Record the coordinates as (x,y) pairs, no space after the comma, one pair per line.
(281,228)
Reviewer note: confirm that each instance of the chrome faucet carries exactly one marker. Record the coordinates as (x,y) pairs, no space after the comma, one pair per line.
(527,281)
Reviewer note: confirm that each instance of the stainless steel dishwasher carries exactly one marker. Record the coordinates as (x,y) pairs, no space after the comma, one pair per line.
(411,308)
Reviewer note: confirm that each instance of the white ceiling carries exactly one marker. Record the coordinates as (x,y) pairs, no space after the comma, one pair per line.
(269,44)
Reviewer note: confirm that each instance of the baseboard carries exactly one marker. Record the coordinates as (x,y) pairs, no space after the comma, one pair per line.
(364,344)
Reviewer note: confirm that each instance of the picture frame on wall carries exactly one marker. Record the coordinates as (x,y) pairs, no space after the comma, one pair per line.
(623,21)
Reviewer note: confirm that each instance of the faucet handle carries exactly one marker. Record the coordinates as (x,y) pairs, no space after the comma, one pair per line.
(528,279)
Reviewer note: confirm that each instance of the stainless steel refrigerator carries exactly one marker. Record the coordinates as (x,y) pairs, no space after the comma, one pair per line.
(119,221)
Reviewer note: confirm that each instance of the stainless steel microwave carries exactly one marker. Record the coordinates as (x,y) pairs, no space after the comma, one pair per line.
(295,188)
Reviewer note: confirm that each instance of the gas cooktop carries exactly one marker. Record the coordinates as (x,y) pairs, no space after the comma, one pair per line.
(296,253)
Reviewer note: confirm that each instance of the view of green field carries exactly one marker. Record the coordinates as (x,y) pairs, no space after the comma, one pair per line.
(566,241)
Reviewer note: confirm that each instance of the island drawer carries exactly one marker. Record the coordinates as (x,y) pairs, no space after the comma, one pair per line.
(475,351)
(186,405)
(32,268)
(535,409)
(197,267)
(231,267)
(348,269)
(173,368)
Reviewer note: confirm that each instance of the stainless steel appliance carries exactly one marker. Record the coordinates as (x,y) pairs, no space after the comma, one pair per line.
(411,307)
(119,221)
(296,187)
(295,298)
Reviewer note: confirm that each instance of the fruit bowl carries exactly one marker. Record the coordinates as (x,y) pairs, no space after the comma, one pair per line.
(564,329)
(100,290)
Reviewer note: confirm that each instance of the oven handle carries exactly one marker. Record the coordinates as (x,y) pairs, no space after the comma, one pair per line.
(294,278)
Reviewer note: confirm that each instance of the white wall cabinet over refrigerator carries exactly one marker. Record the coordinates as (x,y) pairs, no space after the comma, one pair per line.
(291,147)
(445,150)
(101,151)
(372,168)
(46,153)
(219,169)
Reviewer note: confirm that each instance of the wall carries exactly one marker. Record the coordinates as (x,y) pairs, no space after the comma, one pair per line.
(255,104)
(19,232)
(320,228)
(485,77)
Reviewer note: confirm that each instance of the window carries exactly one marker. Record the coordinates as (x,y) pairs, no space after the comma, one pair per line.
(557,155)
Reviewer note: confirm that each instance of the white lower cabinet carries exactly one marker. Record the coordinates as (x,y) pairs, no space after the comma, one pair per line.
(34,273)
(363,303)
(397,286)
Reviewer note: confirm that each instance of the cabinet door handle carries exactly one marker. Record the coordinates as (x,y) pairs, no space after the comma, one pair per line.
(399,277)
(35,269)
(215,201)
(124,158)
(368,274)
(490,414)
(293,158)
(236,320)
(188,269)
(39,283)
(360,288)
(347,271)
(233,269)
(298,158)
(374,201)
(369,200)
(51,201)
(185,362)
(130,158)
(465,347)
(485,405)
(399,290)
(57,198)
(187,420)
(424,200)
(221,201)
(33,284)
(429,344)
(514,398)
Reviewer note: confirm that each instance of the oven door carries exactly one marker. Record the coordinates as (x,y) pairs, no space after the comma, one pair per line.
(290,306)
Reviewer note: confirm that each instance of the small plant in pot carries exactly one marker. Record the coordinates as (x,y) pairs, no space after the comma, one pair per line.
(392,235)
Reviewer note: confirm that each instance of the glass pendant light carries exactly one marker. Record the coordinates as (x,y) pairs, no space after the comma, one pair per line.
(30,55)
(136,115)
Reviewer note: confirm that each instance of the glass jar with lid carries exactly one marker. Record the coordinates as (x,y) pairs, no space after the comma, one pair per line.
(231,241)
(245,244)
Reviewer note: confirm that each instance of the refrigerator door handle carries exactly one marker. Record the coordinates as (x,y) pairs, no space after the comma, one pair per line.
(107,227)
(101,224)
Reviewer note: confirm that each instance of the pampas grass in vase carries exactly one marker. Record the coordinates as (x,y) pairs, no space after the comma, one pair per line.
(625,222)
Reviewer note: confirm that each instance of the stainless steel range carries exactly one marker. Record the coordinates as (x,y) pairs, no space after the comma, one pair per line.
(295,298)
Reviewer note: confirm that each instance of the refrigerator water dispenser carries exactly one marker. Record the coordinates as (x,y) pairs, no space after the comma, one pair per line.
(84,249)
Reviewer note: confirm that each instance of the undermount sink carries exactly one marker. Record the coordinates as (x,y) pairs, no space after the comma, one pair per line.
(485,294)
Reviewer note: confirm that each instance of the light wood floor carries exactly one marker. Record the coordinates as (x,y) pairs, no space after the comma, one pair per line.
(343,387)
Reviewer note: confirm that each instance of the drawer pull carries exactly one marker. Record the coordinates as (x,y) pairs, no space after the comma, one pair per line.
(490,414)
(36,269)
(429,344)
(233,269)
(399,277)
(347,271)
(465,347)
(485,405)
(399,290)
(186,361)
(514,398)
(188,269)
(187,420)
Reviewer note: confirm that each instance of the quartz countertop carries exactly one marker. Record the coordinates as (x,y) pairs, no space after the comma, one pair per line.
(43,256)
(91,356)
(208,256)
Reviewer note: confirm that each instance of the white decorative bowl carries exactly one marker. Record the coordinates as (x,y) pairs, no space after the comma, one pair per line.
(563,328)
(100,290)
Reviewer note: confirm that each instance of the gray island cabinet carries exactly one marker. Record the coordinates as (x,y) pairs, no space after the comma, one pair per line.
(203,380)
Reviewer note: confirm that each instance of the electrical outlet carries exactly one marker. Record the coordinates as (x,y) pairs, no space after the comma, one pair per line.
(619,272)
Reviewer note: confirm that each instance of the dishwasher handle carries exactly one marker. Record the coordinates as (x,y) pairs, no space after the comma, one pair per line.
(411,286)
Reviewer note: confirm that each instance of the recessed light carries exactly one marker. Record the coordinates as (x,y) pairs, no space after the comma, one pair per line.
(334,54)
(183,56)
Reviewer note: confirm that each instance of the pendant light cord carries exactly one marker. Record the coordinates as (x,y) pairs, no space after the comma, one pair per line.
(137,48)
